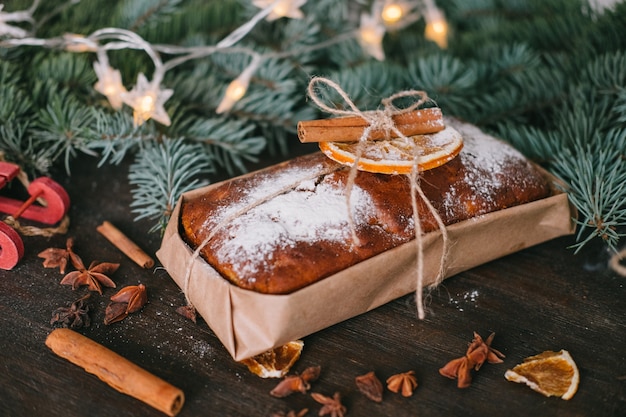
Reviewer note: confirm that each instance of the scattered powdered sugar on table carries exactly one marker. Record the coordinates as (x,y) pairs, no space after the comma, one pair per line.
(311,212)
(470,297)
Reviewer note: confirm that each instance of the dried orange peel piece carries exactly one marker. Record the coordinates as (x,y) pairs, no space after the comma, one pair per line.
(549,373)
(398,155)
(275,363)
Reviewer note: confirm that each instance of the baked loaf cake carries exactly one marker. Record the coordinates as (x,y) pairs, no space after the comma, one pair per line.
(285,227)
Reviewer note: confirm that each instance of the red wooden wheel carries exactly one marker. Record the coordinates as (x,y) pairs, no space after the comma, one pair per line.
(11,247)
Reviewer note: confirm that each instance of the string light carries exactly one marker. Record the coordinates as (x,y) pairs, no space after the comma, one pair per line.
(371,33)
(238,87)
(147,99)
(109,82)
(392,12)
(281,8)
(436,27)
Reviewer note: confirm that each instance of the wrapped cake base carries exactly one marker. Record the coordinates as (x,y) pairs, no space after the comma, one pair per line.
(249,323)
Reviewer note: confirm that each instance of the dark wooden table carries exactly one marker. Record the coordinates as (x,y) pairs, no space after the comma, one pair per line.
(542,298)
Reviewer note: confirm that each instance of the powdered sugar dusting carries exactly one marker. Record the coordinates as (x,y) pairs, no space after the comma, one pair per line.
(310,213)
(488,158)
(266,185)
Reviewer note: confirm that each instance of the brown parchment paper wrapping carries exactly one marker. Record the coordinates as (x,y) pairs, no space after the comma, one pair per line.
(249,323)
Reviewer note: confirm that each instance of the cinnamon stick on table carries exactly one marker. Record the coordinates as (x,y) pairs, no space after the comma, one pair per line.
(350,129)
(118,372)
(127,246)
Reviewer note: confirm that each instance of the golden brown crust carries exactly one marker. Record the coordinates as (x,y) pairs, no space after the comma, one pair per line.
(301,235)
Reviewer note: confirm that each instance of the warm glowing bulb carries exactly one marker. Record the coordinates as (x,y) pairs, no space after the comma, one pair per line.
(109,82)
(370,36)
(371,33)
(281,9)
(146,104)
(439,27)
(437,31)
(147,99)
(392,13)
(236,90)
(238,87)
(110,89)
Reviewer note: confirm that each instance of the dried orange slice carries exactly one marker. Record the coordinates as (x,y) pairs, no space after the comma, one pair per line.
(275,363)
(549,373)
(397,155)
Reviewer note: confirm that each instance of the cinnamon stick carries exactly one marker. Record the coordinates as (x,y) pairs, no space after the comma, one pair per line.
(118,372)
(350,129)
(127,246)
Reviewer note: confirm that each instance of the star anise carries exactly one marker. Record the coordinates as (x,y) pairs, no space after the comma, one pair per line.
(370,386)
(127,300)
(75,316)
(478,352)
(57,257)
(94,277)
(404,383)
(330,406)
(296,383)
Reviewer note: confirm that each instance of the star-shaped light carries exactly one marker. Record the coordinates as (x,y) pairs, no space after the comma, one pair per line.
(109,84)
(371,33)
(147,99)
(13,31)
(282,8)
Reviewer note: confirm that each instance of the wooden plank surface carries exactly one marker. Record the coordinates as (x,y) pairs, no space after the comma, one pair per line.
(541,298)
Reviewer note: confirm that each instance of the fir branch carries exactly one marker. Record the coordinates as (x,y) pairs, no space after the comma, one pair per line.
(65,127)
(18,147)
(607,73)
(227,142)
(540,145)
(161,173)
(597,187)
(9,73)
(15,103)
(620,105)
(366,84)
(136,14)
(117,136)
(72,71)
(446,79)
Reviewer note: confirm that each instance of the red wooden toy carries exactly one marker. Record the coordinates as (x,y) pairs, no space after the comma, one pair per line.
(11,247)
(57,203)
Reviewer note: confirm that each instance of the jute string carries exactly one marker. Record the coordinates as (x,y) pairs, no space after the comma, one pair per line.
(382,119)
(62,228)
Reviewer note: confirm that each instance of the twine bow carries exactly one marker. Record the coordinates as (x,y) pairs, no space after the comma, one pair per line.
(382,119)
